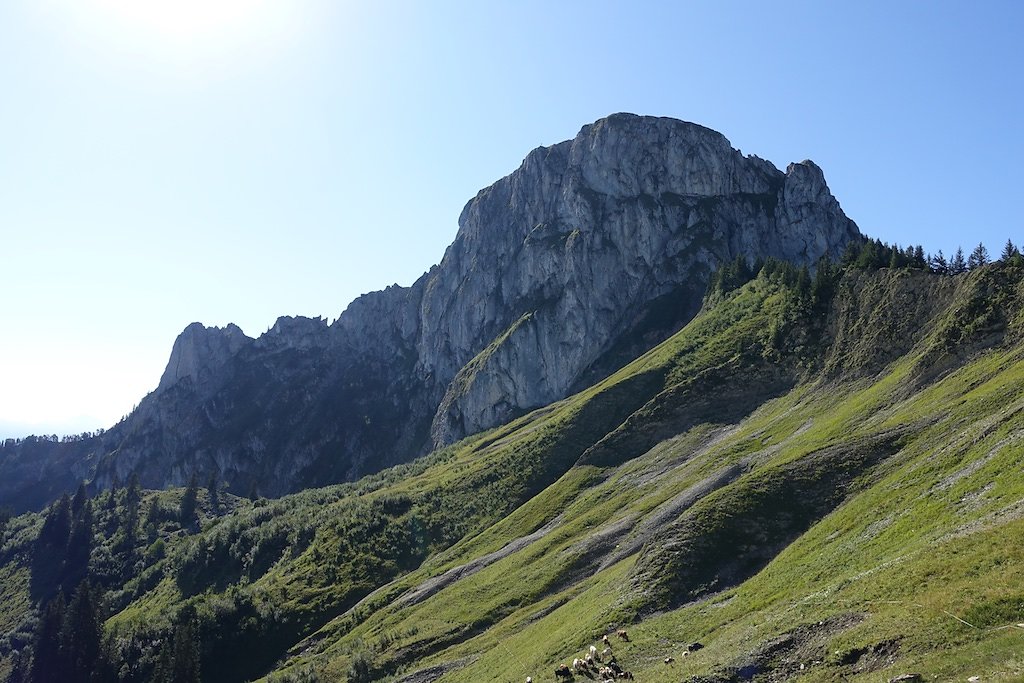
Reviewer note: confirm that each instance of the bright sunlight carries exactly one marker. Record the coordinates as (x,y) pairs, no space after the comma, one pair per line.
(190,20)
(184,31)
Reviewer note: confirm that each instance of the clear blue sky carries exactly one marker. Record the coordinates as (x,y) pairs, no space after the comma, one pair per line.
(168,162)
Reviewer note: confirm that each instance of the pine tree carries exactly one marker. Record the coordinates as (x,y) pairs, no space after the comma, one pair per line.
(48,662)
(164,663)
(133,491)
(851,254)
(82,635)
(939,265)
(78,502)
(211,490)
(187,510)
(185,666)
(79,546)
(957,264)
(179,661)
(20,667)
(57,525)
(824,281)
(130,519)
(919,260)
(154,518)
(49,550)
(867,256)
(1009,251)
(803,285)
(978,257)
(115,484)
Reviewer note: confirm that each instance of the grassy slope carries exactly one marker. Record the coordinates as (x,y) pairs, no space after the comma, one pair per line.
(927,537)
(665,457)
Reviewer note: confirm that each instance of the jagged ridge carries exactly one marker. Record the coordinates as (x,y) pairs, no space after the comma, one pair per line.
(589,254)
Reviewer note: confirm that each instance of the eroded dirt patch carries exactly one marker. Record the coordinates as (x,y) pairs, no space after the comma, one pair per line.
(800,650)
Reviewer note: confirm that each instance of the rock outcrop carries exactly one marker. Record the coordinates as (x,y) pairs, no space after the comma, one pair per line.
(590,253)
(199,355)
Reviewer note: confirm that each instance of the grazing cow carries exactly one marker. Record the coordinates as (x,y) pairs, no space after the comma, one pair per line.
(529,679)
(622,634)
(669,660)
(578,665)
(693,647)
(563,672)
(604,639)
(614,666)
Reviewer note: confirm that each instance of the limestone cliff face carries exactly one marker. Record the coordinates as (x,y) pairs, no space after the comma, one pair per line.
(199,356)
(583,238)
(590,253)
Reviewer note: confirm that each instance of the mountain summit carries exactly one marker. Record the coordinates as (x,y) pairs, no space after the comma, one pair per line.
(590,253)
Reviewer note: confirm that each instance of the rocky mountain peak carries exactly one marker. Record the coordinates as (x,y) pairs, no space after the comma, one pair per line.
(557,263)
(199,353)
(590,253)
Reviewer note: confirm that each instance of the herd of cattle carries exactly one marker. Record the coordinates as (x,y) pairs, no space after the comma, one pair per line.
(602,665)
(594,664)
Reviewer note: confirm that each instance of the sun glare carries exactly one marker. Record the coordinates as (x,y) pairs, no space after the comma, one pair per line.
(186,20)
(184,30)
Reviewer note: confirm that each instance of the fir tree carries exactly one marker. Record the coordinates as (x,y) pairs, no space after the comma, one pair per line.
(851,254)
(957,264)
(78,502)
(164,662)
(870,256)
(938,264)
(1009,251)
(130,520)
(79,546)
(154,518)
(187,509)
(48,662)
(803,286)
(57,525)
(5,517)
(824,282)
(178,661)
(82,636)
(112,498)
(20,667)
(919,260)
(978,257)
(49,550)
(133,491)
(211,490)
(185,667)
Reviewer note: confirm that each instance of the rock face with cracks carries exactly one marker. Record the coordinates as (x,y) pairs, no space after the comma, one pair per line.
(590,253)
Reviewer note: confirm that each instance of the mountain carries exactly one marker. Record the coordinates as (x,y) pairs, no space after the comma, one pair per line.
(588,255)
(815,479)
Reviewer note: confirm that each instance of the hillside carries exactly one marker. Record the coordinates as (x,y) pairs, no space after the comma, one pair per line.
(814,478)
(591,252)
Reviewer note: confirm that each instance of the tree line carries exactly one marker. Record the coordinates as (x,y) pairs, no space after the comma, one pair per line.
(86,549)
